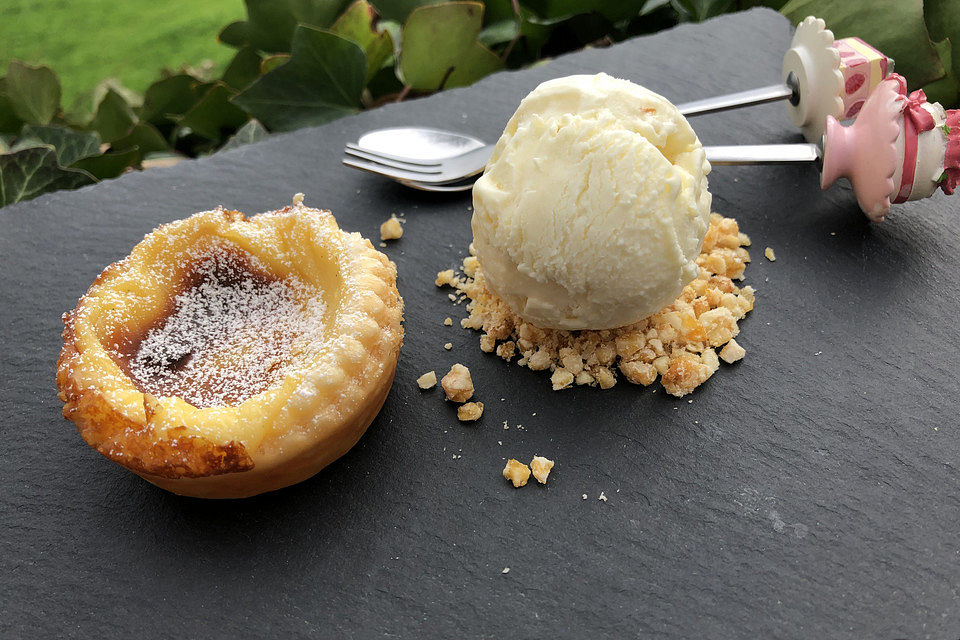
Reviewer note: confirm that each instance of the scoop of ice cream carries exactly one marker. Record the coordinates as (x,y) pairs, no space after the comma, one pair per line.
(592,210)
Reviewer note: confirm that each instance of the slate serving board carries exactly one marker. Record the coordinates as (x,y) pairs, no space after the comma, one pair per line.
(808,491)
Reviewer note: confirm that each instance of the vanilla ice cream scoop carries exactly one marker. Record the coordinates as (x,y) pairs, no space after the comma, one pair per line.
(592,210)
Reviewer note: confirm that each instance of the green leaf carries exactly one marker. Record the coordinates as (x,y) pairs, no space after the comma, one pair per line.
(495,11)
(108,165)
(275,61)
(700,10)
(71,145)
(114,117)
(945,89)
(399,10)
(30,172)
(234,34)
(359,24)
(167,99)
(477,63)
(270,24)
(895,27)
(322,82)
(943,21)
(440,49)
(249,133)
(144,138)
(613,11)
(243,70)
(5,142)
(10,122)
(500,32)
(33,92)
(214,114)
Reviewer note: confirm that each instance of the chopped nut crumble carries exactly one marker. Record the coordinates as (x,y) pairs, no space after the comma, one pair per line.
(391,229)
(678,343)
(458,385)
(516,472)
(541,467)
(427,380)
(470,412)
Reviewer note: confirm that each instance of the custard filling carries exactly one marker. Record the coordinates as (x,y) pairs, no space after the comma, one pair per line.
(233,331)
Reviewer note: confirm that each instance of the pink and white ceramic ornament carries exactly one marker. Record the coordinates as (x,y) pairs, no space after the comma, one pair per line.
(833,77)
(900,148)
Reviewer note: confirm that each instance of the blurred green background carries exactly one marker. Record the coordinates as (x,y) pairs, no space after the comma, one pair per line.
(85,41)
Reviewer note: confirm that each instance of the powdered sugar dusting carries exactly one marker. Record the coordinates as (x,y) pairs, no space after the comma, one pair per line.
(231,335)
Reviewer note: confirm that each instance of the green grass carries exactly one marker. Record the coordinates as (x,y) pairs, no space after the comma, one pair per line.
(86,41)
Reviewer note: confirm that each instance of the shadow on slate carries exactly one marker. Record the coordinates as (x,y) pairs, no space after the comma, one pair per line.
(808,491)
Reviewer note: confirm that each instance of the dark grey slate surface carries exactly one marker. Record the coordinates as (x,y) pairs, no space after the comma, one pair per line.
(809,491)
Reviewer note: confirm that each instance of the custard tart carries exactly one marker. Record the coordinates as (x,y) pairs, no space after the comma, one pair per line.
(228,356)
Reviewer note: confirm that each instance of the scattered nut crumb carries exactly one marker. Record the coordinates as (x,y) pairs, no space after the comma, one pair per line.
(447,322)
(506,570)
(391,229)
(458,385)
(541,468)
(446,278)
(448,346)
(732,352)
(427,380)
(602,497)
(516,472)
(470,412)
(383,244)
(584,496)
(677,344)
(769,254)
(561,379)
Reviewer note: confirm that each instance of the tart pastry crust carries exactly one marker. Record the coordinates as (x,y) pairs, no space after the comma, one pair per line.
(226,356)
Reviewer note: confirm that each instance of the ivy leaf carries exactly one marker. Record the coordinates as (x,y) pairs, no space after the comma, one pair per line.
(249,133)
(271,24)
(243,70)
(30,172)
(359,24)
(108,165)
(895,27)
(498,11)
(440,48)
(33,92)
(700,10)
(399,10)
(321,82)
(71,145)
(214,114)
(275,61)
(10,122)
(167,99)
(144,138)
(613,11)
(945,89)
(943,22)
(114,117)
(499,32)
(478,62)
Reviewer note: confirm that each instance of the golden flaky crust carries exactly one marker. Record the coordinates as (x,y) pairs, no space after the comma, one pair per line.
(277,437)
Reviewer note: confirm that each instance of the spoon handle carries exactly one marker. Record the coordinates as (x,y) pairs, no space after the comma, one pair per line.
(763,154)
(772,93)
